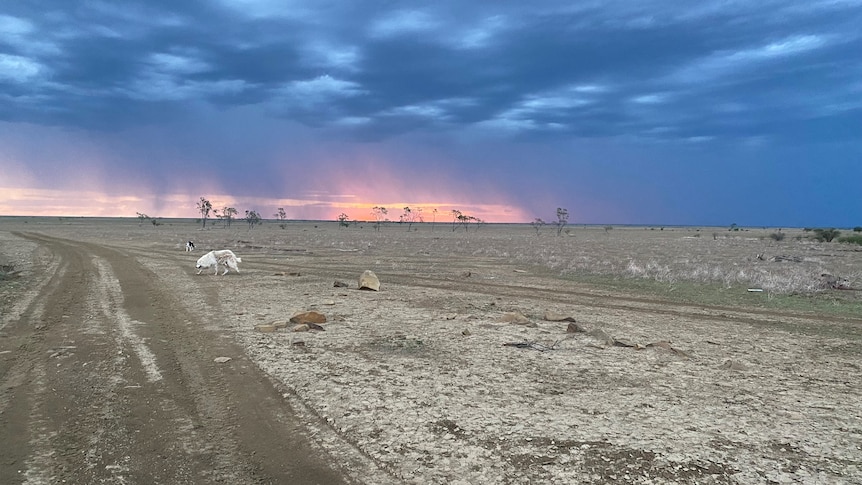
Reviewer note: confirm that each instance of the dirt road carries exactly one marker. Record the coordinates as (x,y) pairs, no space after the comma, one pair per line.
(102,385)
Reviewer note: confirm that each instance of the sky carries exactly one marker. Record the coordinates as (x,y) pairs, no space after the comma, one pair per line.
(713,112)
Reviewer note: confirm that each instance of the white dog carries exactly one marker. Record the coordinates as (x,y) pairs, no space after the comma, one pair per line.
(215,258)
(190,246)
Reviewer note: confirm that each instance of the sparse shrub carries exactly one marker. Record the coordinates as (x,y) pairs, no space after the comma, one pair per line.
(826,235)
(854,239)
(777,236)
(857,229)
(7,271)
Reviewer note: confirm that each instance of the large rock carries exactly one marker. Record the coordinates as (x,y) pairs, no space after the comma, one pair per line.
(308,317)
(368,281)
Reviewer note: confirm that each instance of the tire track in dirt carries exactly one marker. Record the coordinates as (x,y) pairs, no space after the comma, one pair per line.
(106,382)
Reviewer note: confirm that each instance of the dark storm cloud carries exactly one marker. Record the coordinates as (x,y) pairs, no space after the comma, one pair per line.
(650,69)
(639,110)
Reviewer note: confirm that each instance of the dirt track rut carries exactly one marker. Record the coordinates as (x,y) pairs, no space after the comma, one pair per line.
(102,385)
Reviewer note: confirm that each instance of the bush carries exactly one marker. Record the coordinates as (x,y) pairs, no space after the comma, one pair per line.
(857,229)
(777,236)
(826,235)
(854,239)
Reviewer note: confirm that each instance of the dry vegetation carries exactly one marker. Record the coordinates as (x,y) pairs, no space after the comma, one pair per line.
(417,383)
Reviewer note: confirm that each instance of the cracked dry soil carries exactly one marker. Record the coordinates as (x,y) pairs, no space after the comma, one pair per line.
(108,343)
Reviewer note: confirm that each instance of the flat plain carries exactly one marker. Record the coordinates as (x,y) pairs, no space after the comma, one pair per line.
(496,354)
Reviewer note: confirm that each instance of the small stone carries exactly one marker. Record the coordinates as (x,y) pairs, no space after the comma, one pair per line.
(517,318)
(369,281)
(601,336)
(265,328)
(733,365)
(340,284)
(221,360)
(575,328)
(300,328)
(558,317)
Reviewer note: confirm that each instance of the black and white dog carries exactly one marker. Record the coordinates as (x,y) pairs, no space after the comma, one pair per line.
(190,246)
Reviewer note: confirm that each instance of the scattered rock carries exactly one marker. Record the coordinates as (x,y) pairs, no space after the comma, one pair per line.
(466,332)
(314,326)
(665,345)
(300,328)
(782,258)
(575,328)
(340,284)
(308,317)
(466,274)
(265,327)
(221,360)
(733,365)
(369,281)
(279,324)
(558,317)
(601,336)
(299,343)
(520,271)
(623,343)
(517,318)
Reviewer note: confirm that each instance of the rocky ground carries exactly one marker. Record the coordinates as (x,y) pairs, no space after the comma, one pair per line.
(462,368)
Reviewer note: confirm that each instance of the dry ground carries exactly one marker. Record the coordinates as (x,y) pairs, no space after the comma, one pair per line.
(416,383)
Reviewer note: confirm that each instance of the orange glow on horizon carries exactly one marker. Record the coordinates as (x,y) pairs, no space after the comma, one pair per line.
(352,184)
(92,203)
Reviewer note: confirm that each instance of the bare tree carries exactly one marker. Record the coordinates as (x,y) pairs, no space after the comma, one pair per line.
(456,218)
(410,216)
(141,217)
(379,214)
(562,219)
(343,220)
(281,216)
(228,214)
(537,224)
(252,218)
(204,207)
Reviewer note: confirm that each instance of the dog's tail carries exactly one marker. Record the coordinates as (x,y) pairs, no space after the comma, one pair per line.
(239,260)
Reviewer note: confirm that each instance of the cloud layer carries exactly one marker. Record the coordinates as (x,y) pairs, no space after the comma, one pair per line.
(643,112)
